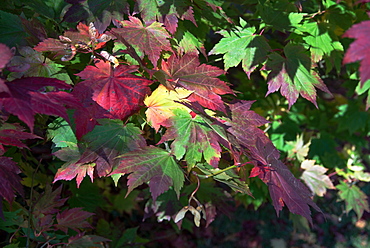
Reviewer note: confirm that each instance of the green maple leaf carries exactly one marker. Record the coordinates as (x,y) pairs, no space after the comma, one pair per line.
(293,75)
(321,39)
(151,164)
(242,45)
(354,198)
(193,138)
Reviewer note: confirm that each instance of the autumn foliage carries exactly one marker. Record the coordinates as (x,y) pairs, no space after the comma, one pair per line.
(146,93)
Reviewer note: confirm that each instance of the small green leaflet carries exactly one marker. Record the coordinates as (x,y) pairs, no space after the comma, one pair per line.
(154,165)
(354,198)
(193,138)
(242,45)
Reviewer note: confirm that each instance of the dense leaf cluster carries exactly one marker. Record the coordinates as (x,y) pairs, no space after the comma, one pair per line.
(160,93)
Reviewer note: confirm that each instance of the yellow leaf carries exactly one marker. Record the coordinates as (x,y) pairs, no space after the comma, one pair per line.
(161,103)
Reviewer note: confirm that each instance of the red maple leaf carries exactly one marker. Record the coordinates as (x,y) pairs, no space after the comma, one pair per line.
(284,188)
(187,72)
(27,96)
(151,40)
(12,134)
(359,50)
(10,182)
(115,90)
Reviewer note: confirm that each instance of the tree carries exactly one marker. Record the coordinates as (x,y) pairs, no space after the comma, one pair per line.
(174,99)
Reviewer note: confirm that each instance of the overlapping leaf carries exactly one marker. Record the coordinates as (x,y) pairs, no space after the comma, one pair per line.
(193,138)
(359,50)
(74,218)
(116,90)
(293,75)
(86,39)
(188,73)
(12,134)
(315,178)
(284,188)
(321,39)
(153,165)
(161,104)
(108,93)
(151,40)
(244,126)
(242,45)
(32,63)
(98,156)
(6,55)
(10,181)
(27,96)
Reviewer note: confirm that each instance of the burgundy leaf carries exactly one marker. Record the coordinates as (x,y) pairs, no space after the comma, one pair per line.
(27,96)
(283,186)
(244,126)
(74,218)
(12,134)
(10,182)
(49,202)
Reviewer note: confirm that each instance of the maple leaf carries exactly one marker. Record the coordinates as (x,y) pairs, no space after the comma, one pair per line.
(284,188)
(161,104)
(153,165)
(74,218)
(25,97)
(115,90)
(151,40)
(32,63)
(12,134)
(6,55)
(242,45)
(167,12)
(188,73)
(293,75)
(359,50)
(192,138)
(315,178)
(320,38)
(10,182)
(49,202)
(243,126)
(298,148)
(101,147)
(354,198)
